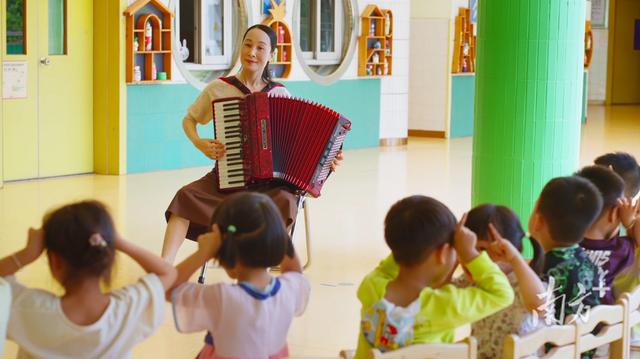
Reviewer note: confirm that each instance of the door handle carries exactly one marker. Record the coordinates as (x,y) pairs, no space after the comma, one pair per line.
(45,61)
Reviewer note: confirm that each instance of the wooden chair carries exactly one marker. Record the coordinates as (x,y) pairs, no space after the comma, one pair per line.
(465,346)
(468,348)
(611,321)
(631,304)
(561,336)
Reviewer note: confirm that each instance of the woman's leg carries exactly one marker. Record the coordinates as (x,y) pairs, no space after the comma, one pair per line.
(174,235)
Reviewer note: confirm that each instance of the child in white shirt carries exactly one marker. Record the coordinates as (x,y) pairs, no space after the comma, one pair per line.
(84,322)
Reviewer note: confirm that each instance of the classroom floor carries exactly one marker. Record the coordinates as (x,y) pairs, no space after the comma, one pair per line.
(346,223)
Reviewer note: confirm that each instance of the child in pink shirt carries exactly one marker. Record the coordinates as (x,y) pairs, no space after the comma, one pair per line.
(251,318)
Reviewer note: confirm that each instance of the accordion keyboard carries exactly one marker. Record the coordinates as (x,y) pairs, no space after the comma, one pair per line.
(229,132)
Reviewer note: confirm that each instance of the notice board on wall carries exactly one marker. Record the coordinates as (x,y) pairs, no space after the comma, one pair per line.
(14,79)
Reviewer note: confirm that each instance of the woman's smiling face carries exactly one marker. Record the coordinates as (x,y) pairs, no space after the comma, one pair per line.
(256,51)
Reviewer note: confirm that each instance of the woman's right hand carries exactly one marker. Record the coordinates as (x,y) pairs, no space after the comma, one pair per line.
(213,149)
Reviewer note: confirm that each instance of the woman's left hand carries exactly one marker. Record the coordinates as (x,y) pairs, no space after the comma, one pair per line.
(336,161)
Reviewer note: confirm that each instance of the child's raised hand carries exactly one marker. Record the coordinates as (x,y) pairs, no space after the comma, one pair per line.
(501,249)
(628,211)
(209,243)
(35,243)
(464,241)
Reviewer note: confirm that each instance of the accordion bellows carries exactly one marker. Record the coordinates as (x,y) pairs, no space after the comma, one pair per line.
(271,137)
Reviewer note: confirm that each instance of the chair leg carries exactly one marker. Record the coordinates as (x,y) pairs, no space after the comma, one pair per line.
(307,233)
(202,273)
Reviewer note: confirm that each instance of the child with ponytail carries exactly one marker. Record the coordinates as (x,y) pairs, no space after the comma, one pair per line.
(250,318)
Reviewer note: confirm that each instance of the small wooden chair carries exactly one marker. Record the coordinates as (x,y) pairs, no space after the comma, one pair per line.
(465,346)
(611,318)
(561,336)
(631,304)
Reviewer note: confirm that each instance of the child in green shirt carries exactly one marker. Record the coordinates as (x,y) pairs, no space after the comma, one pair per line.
(408,299)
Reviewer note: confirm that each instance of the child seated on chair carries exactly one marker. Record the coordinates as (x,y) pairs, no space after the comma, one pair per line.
(500,233)
(565,209)
(626,166)
(249,319)
(407,299)
(606,248)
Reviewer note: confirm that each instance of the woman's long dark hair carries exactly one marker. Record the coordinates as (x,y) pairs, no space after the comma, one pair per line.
(266,74)
(508,225)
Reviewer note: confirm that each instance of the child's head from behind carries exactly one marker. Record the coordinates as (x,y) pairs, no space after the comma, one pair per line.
(420,229)
(253,232)
(80,242)
(626,166)
(507,224)
(567,206)
(611,188)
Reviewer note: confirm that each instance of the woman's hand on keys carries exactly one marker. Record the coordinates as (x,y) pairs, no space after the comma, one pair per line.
(213,149)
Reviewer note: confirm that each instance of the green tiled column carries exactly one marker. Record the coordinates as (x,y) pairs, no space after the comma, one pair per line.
(528,98)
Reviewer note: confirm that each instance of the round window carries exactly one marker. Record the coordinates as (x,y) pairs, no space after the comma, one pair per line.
(325,37)
(205,47)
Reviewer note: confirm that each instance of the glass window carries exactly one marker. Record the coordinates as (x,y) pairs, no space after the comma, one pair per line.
(57,27)
(214,28)
(306,25)
(16,27)
(327,25)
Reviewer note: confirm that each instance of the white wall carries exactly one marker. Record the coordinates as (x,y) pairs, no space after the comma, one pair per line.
(394,99)
(429,85)
(598,70)
(394,96)
(597,82)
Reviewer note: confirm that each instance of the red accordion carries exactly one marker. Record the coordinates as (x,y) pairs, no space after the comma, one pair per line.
(270,137)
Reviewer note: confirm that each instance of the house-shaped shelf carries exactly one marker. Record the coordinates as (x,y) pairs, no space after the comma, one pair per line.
(148,52)
(375,45)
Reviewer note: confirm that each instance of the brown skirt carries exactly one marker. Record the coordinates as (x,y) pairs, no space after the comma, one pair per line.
(198,200)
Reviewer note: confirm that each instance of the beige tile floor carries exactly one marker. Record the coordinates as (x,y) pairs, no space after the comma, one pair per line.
(346,222)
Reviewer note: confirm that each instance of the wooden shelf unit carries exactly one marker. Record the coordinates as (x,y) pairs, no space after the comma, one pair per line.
(588,44)
(464,38)
(161,44)
(375,41)
(282,60)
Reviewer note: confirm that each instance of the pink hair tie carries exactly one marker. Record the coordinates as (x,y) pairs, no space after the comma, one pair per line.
(96,240)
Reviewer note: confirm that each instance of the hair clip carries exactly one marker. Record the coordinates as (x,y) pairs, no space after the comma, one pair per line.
(231,228)
(96,240)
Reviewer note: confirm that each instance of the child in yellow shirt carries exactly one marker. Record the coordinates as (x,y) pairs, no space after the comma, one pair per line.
(407,299)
